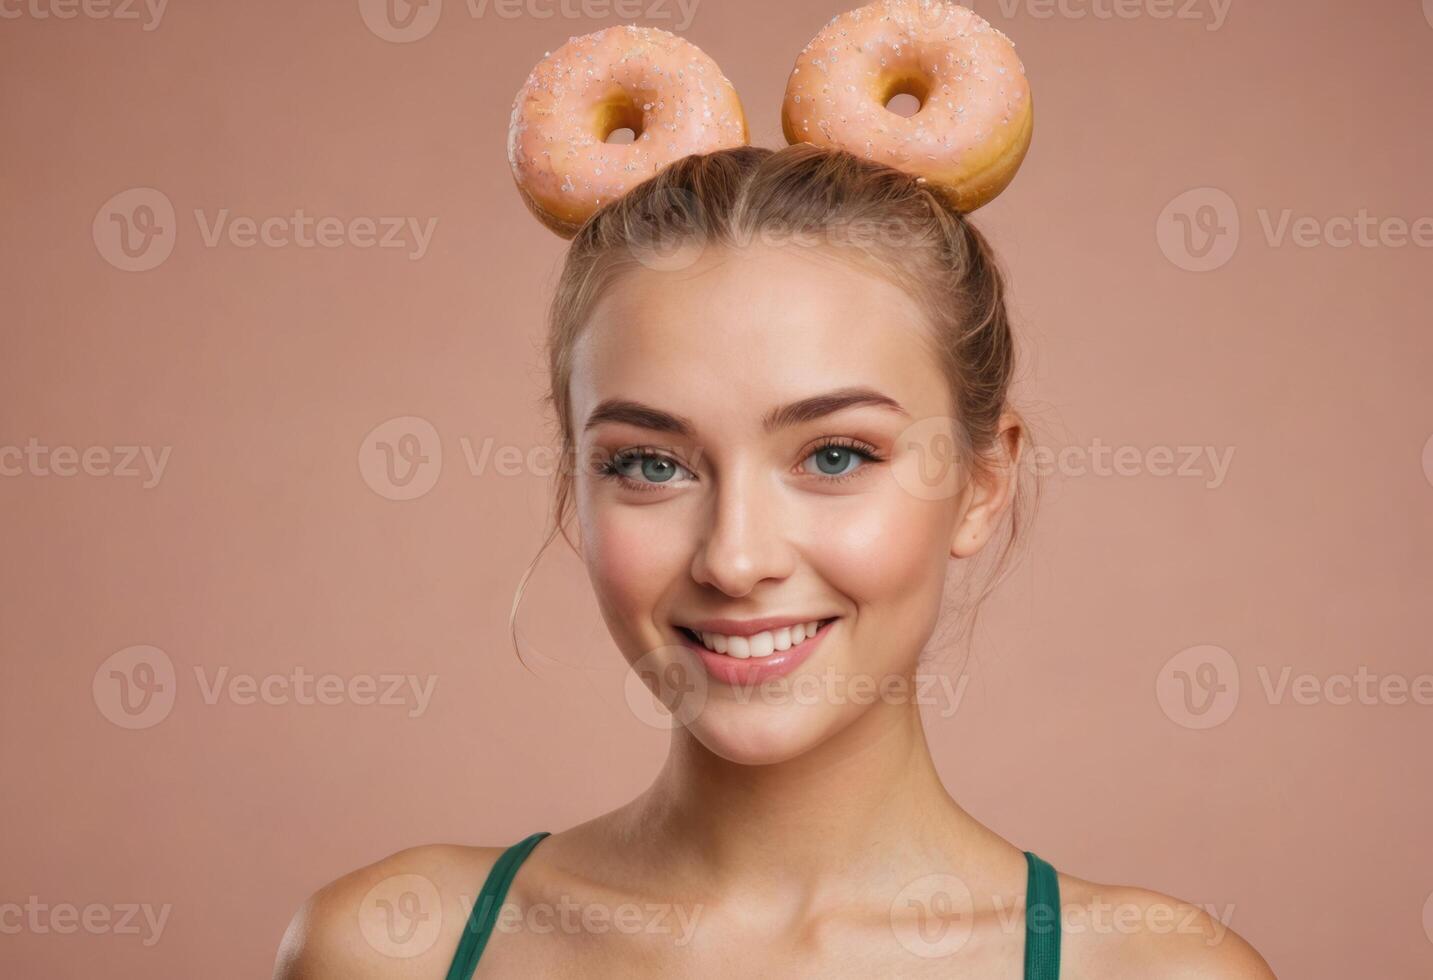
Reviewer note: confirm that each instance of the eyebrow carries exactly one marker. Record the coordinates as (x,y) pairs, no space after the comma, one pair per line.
(627,412)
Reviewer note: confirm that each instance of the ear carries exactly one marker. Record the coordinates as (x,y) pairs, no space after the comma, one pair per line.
(989,494)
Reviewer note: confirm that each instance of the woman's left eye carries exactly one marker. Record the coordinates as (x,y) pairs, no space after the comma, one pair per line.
(836,460)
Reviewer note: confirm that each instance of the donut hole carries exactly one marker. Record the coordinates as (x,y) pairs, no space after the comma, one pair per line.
(904,104)
(619,120)
(905,95)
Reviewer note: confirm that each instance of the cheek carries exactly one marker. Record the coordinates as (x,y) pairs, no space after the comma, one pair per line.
(633,555)
(888,551)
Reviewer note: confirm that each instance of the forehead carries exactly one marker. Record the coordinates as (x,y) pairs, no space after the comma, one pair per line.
(743,330)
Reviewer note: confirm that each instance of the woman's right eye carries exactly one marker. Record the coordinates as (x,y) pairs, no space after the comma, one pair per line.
(643,469)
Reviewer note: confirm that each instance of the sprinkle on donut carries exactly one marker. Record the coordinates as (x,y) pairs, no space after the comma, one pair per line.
(973,127)
(672,96)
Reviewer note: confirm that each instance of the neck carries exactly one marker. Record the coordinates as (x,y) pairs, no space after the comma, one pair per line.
(864,804)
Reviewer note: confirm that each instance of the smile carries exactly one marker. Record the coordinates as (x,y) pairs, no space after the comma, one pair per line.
(747,655)
(760,644)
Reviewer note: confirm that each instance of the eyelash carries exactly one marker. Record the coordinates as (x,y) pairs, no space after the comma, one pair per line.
(608,469)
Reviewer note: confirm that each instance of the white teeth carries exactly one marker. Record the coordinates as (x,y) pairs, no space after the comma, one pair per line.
(762,644)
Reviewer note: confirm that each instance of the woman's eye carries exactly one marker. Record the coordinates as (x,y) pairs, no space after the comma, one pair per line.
(836,460)
(646,468)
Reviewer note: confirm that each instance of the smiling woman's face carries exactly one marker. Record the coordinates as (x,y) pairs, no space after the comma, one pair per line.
(777,392)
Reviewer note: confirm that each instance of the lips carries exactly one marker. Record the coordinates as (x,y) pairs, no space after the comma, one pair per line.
(754,638)
(752,669)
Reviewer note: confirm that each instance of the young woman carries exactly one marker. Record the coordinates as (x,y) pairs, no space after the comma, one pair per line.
(781,380)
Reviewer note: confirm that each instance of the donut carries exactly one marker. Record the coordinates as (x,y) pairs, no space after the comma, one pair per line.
(673,98)
(973,127)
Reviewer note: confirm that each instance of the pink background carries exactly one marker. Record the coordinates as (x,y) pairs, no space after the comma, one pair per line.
(264,547)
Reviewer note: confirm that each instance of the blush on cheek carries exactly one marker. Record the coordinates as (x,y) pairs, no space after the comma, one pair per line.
(632,564)
(888,555)
(889,544)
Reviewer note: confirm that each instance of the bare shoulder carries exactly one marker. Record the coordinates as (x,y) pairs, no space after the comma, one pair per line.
(1120,931)
(397,918)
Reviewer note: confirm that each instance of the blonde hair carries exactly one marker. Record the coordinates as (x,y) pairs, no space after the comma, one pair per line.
(833,199)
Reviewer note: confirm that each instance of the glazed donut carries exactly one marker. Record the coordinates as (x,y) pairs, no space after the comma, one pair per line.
(666,90)
(973,126)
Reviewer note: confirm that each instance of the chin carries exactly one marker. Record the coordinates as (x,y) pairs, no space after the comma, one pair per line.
(764,735)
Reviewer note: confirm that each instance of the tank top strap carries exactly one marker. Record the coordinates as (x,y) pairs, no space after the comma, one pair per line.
(1042,920)
(487,905)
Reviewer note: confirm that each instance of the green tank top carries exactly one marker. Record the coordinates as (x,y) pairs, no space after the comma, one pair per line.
(1042,914)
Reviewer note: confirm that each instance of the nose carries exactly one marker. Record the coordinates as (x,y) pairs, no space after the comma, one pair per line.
(745,540)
